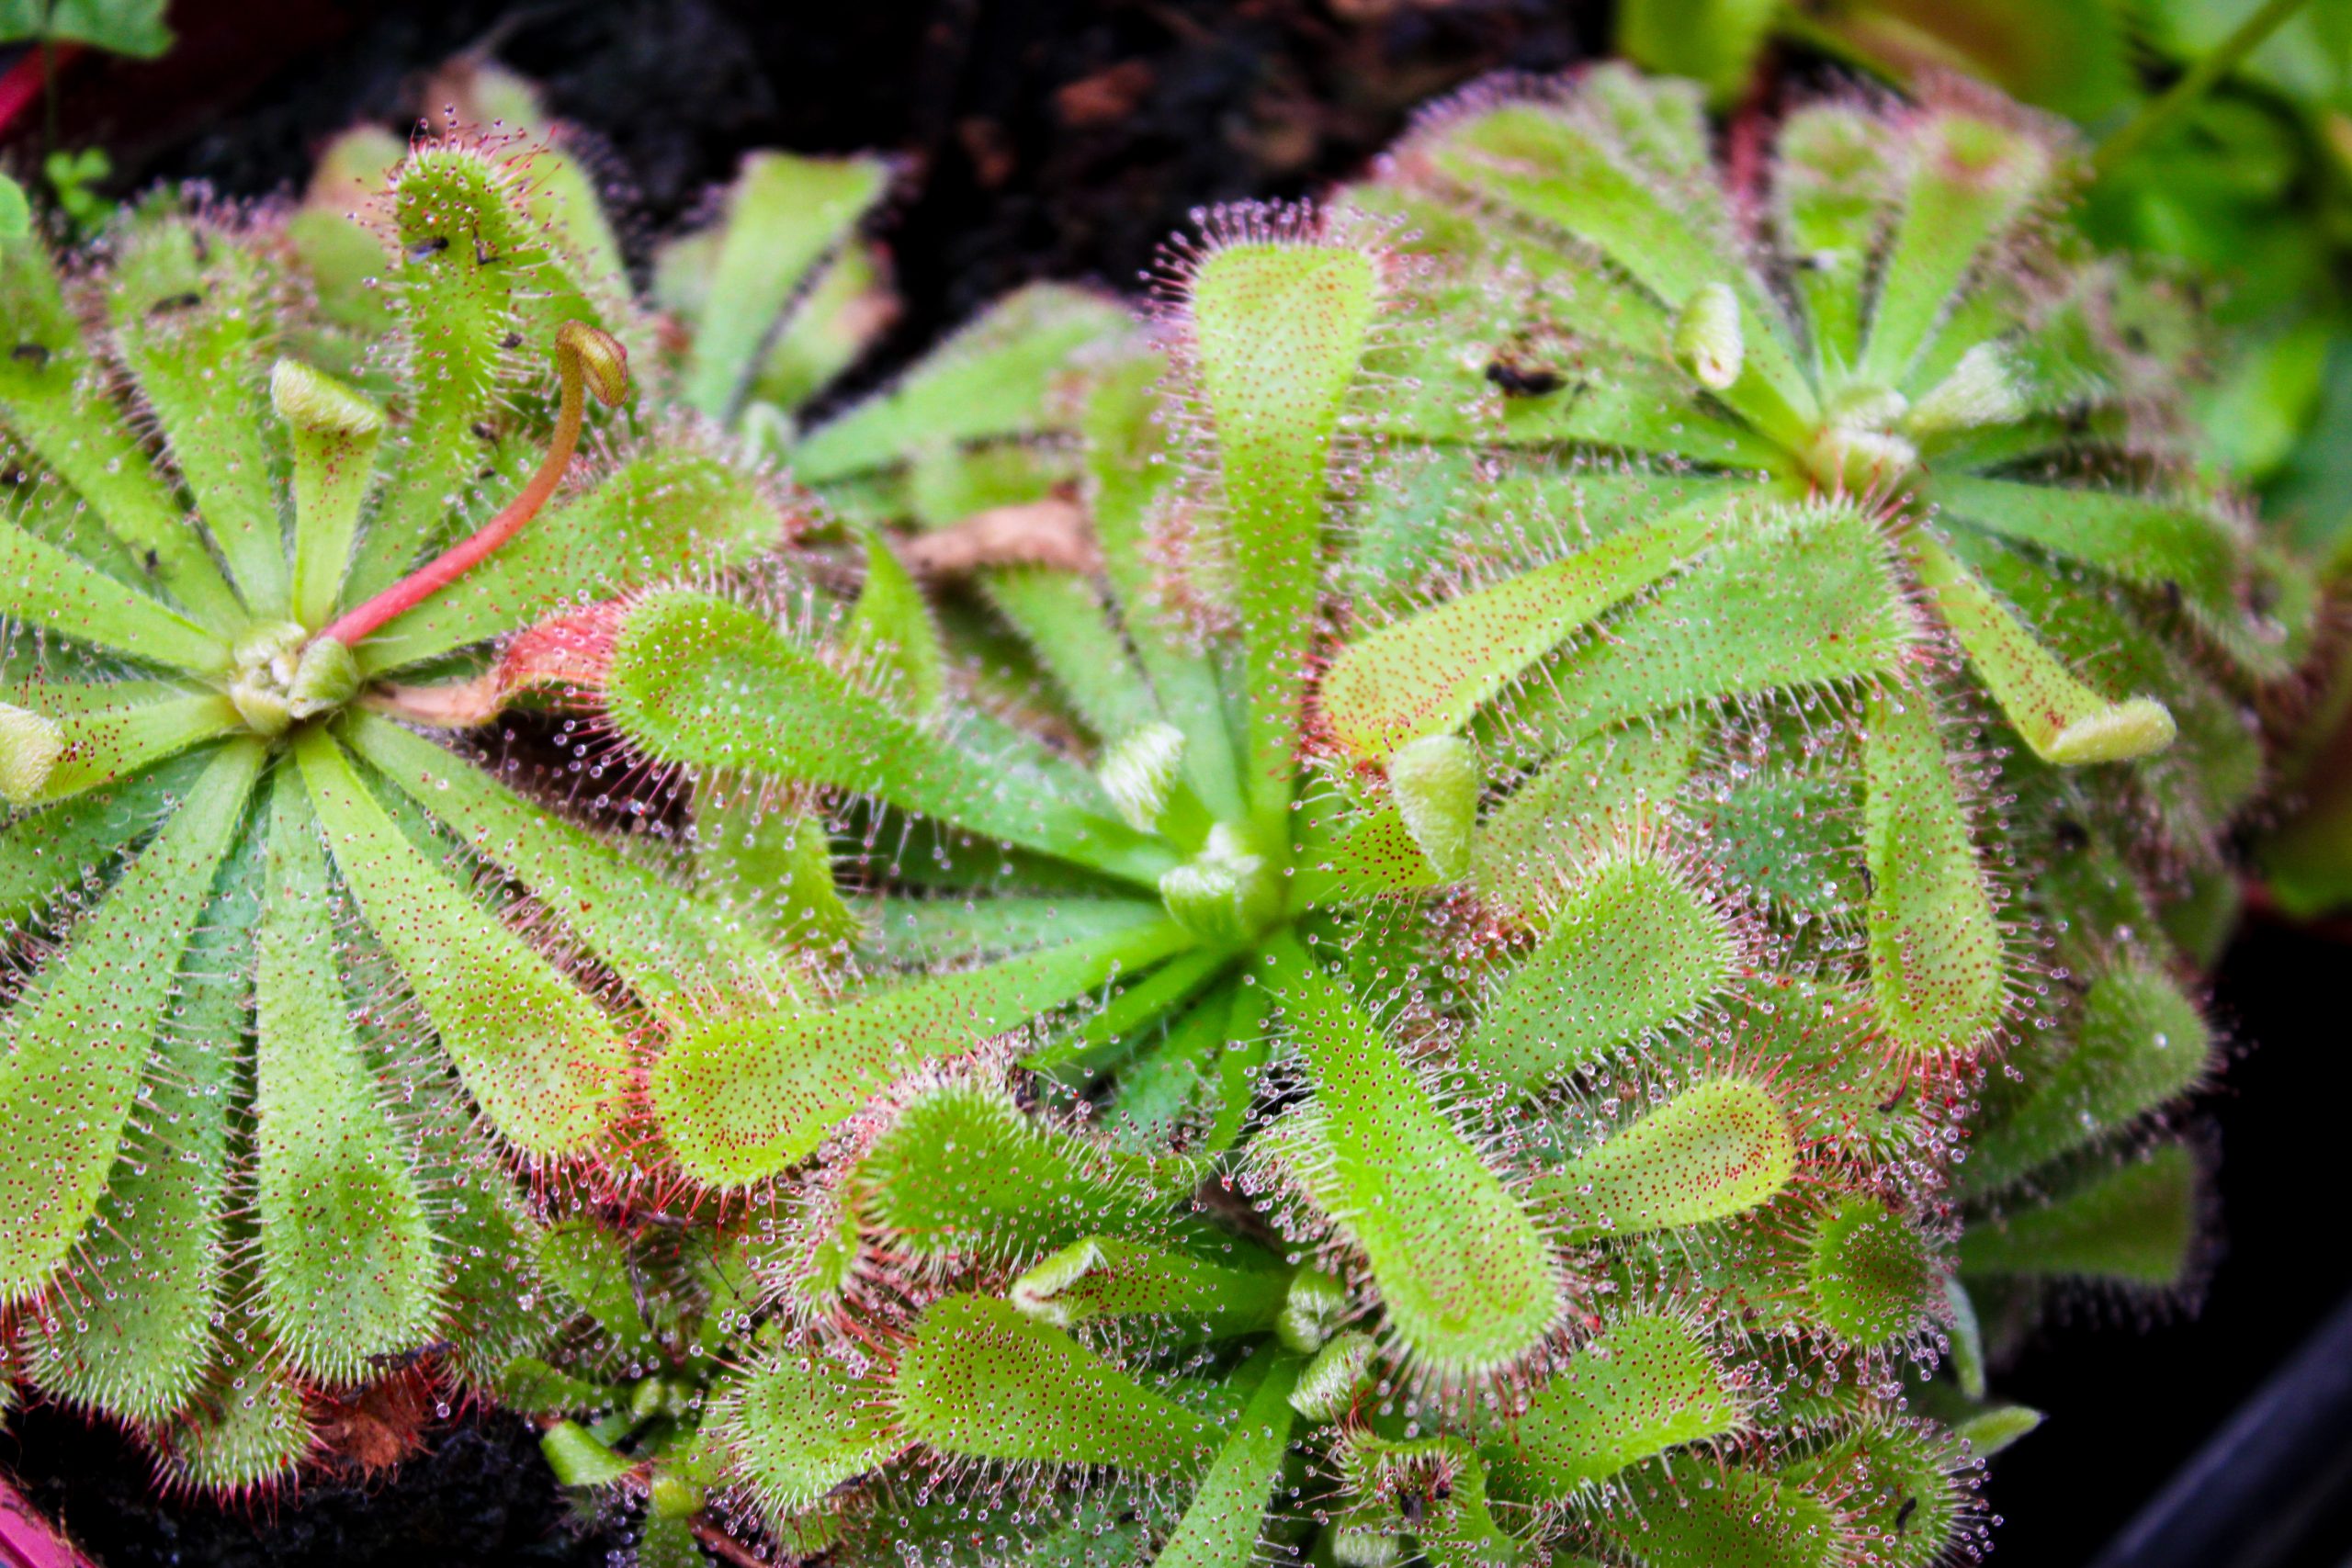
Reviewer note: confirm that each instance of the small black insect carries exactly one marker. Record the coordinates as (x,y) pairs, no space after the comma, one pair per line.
(483,254)
(1903,1514)
(1870,883)
(2067,836)
(170,303)
(397,1360)
(1413,1507)
(2171,591)
(511,340)
(425,250)
(29,353)
(152,562)
(1440,1489)
(1521,381)
(482,430)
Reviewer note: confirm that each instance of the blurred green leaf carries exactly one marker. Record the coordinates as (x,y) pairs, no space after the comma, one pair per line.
(121,26)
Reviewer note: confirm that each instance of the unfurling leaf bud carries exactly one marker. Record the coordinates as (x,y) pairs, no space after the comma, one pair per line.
(1707,340)
(1138,772)
(1332,1380)
(325,678)
(1435,782)
(1223,894)
(1318,1306)
(312,400)
(1982,389)
(30,745)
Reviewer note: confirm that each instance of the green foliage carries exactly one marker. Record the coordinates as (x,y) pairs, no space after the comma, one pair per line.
(124,26)
(258,932)
(1433,884)
(1569,742)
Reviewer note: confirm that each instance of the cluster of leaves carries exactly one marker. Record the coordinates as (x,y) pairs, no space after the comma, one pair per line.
(2229,157)
(296,991)
(1469,900)
(1608,839)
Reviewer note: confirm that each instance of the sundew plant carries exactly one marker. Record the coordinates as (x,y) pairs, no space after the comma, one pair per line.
(1600,848)
(299,994)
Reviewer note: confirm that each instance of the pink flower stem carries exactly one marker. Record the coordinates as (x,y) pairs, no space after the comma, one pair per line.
(352,625)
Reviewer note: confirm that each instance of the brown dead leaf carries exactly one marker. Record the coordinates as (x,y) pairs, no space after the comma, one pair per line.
(1054,532)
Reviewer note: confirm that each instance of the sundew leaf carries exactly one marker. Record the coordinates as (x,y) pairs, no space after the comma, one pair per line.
(1425,675)
(1936,967)
(890,630)
(105,746)
(1375,858)
(961,1172)
(43,585)
(2140,1043)
(798,1423)
(2170,546)
(743,1098)
(704,682)
(1731,1517)
(1112,1277)
(1463,1268)
(1106,1036)
(1870,1276)
(1718,1148)
(988,381)
(1805,602)
(1279,329)
(1830,194)
(1647,1382)
(76,1057)
(1176,1081)
(1555,167)
(1971,178)
(1632,946)
(46,855)
(667,513)
(2065,721)
(840,315)
(1904,1484)
(347,1264)
(134,1321)
(473,270)
(51,400)
(784,216)
(191,320)
(2212,771)
(1432,1490)
(541,1059)
(2134,1223)
(1226,1517)
(1060,617)
(334,432)
(916,932)
(771,867)
(1581,802)
(1127,465)
(980,1381)
(661,939)
(248,1426)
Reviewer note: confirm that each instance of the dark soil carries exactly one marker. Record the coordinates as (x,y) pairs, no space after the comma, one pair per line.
(1064,139)
(1038,138)
(479,1494)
